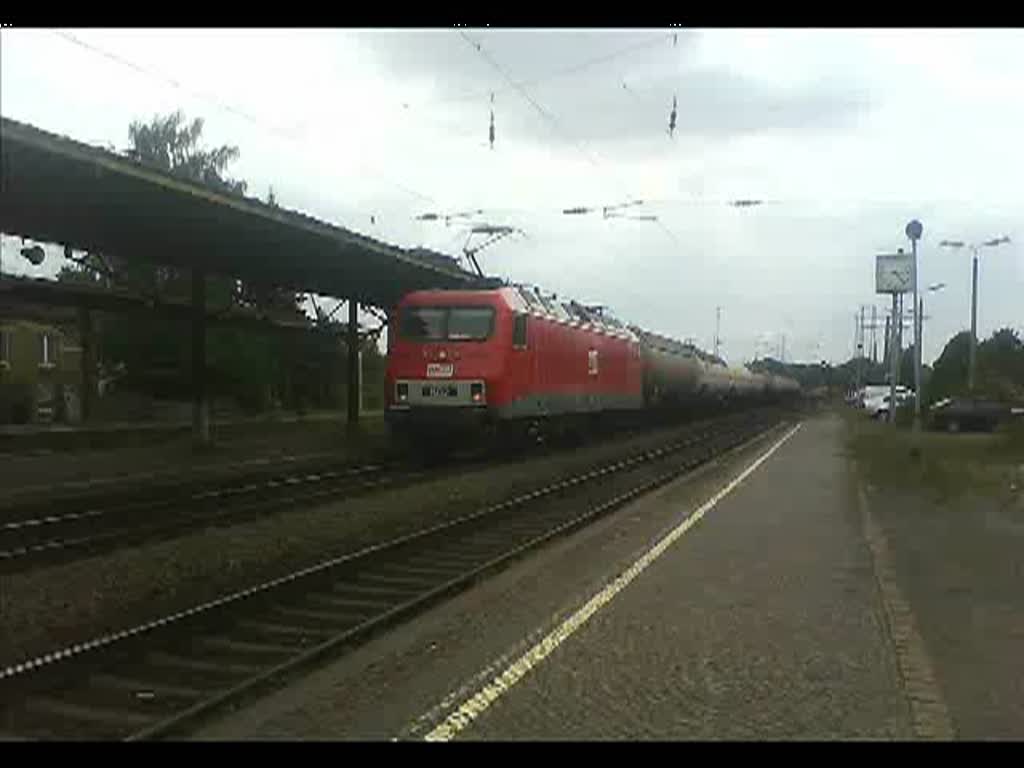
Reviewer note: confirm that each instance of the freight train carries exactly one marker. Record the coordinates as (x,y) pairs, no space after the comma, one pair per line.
(516,358)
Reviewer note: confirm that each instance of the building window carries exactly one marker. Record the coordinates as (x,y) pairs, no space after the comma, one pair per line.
(47,350)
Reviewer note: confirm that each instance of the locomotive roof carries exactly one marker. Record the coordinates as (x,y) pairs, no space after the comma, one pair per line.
(551,304)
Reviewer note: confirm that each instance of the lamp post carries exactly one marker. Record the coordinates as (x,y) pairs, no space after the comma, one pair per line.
(920,309)
(914,231)
(957,245)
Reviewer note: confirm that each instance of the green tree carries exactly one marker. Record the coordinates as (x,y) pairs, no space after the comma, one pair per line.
(243,364)
(1000,363)
(950,376)
(168,143)
(1000,366)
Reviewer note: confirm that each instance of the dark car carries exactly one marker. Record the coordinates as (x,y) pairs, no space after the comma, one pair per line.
(967,413)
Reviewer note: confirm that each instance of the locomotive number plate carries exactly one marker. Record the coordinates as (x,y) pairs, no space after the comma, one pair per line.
(440,370)
(440,390)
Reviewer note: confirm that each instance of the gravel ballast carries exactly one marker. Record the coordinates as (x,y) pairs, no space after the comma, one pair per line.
(49,608)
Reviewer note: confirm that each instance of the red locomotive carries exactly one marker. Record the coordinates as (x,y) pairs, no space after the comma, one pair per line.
(516,357)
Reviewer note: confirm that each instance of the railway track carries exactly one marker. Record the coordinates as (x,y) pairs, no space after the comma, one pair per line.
(51,533)
(56,528)
(159,679)
(167,477)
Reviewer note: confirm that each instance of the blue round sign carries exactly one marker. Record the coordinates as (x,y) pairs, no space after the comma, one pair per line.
(914,229)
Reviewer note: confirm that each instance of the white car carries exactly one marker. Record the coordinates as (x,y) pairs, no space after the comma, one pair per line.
(878,407)
(870,392)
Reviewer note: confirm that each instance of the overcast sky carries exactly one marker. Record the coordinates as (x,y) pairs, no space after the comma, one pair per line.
(847,134)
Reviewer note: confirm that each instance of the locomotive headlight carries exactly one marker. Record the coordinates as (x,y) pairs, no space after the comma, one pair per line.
(476,391)
(402,390)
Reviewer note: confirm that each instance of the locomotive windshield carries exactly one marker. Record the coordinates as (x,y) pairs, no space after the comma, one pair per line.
(446,323)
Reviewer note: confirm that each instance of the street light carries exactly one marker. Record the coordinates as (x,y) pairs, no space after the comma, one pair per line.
(914,230)
(957,245)
(933,288)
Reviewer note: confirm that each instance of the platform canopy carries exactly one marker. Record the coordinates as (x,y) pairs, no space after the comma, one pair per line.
(55,189)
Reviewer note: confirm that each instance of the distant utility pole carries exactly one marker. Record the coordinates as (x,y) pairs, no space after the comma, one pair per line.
(894,324)
(894,350)
(874,335)
(885,354)
(718,326)
(782,350)
(899,324)
(860,348)
(862,352)
(914,230)
(869,352)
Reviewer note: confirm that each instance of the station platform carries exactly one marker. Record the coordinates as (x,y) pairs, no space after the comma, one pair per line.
(710,609)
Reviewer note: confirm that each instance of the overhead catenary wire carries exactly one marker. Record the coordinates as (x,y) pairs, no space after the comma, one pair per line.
(420,108)
(551,119)
(373,218)
(221,104)
(572,69)
(283,134)
(491,134)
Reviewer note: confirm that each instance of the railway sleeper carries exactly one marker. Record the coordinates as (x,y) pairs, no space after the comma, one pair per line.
(233,669)
(288,630)
(509,538)
(384,591)
(469,555)
(407,569)
(88,714)
(407,581)
(233,645)
(456,560)
(352,604)
(94,694)
(145,688)
(336,620)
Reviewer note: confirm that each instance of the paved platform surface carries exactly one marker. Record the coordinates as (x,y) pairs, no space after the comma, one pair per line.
(763,620)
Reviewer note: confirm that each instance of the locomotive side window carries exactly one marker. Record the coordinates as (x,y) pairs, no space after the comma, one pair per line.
(519,331)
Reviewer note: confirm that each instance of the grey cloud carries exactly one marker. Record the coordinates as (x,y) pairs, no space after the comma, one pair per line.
(592,104)
(524,55)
